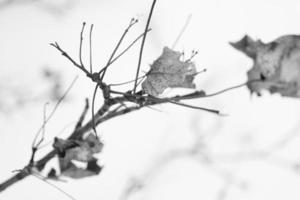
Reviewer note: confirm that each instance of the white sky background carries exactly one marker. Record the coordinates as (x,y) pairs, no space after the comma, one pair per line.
(136,142)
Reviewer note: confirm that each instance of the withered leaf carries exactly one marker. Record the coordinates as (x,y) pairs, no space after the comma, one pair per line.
(62,145)
(77,172)
(276,63)
(168,71)
(83,151)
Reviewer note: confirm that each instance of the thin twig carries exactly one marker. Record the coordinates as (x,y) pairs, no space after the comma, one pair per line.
(93,109)
(58,134)
(91,53)
(194,53)
(118,84)
(196,107)
(43,128)
(142,46)
(141,80)
(103,70)
(83,114)
(80,45)
(202,94)
(38,176)
(56,45)
(231,88)
(53,111)
(127,48)
(182,30)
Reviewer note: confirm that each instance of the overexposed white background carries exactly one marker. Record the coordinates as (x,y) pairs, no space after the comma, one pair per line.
(250,154)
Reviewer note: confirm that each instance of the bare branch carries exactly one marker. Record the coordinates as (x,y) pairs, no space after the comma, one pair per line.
(52,112)
(40,177)
(126,82)
(196,107)
(231,88)
(91,53)
(103,70)
(129,46)
(80,45)
(142,46)
(83,114)
(55,45)
(93,109)
(36,144)
(103,114)
(182,30)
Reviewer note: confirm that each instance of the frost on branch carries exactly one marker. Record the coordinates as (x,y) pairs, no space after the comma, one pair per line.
(78,150)
(169,72)
(276,63)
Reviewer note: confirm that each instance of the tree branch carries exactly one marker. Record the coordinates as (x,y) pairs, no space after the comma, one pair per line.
(142,46)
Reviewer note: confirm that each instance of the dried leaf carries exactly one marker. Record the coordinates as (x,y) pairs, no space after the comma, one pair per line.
(62,145)
(276,63)
(169,72)
(77,172)
(79,150)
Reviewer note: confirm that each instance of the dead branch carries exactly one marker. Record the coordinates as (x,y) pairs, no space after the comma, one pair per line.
(125,102)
